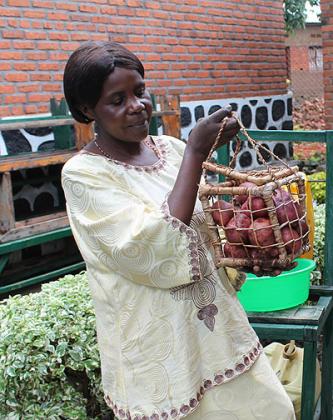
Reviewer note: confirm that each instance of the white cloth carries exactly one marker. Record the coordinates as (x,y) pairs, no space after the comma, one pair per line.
(255,395)
(169,325)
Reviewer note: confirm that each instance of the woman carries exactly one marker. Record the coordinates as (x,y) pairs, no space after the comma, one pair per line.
(174,340)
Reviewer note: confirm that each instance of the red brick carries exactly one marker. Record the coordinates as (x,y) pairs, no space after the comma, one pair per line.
(5,44)
(11,55)
(51,87)
(16,110)
(134,3)
(49,66)
(5,89)
(69,46)
(85,8)
(30,109)
(5,66)
(58,56)
(59,36)
(39,97)
(13,34)
(40,77)
(25,24)
(25,66)
(16,77)
(46,107)
(43,4)
(37,55)
(14,99)
(58,16)
(48,45)
(67,6)
(34,14)
(13,23)
(9,12)
(28,88)
(18,3)
(35,35)
(80,36)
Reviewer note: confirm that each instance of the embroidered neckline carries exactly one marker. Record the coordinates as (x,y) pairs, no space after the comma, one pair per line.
(161,152)
(188,407)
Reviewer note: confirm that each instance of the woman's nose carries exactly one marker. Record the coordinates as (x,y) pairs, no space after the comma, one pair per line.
(136,105)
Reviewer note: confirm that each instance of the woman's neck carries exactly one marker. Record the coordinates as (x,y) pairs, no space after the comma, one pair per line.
(134,153)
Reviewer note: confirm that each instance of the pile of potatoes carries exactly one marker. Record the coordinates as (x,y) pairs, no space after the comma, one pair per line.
(248,229)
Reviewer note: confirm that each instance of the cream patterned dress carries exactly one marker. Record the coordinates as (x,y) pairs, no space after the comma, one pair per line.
(171,332)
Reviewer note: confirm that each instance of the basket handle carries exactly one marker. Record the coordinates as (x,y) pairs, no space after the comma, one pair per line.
(256,146)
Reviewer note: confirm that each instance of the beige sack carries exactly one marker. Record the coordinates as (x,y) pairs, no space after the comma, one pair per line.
(287,363)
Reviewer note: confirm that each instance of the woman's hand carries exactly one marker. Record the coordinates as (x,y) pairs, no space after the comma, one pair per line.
(204,134)
(184,193)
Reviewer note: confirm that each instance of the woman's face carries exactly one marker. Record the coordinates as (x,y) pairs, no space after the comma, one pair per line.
(124,109)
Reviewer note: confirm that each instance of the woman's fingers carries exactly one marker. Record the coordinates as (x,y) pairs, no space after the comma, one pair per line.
(231,128)
(219,115)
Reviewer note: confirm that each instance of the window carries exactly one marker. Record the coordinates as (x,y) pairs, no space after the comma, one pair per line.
(315,58)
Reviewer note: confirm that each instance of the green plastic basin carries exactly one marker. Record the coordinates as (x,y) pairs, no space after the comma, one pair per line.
(290,288)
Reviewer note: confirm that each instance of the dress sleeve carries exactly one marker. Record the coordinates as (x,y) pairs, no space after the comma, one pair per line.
(115,230)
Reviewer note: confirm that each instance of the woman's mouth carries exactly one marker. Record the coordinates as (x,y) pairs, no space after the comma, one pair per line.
(139,124)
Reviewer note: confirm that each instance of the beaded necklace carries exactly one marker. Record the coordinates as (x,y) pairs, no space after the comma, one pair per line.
(148,143)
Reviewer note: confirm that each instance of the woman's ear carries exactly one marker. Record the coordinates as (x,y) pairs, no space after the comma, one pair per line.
(87,112)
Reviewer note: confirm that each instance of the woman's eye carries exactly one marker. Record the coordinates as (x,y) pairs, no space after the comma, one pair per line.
(140,92)
(117,100)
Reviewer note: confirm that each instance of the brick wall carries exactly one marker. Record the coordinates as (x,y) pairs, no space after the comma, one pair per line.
(306,151)
(200,49)
(327,32)
(305,65)
(299,58)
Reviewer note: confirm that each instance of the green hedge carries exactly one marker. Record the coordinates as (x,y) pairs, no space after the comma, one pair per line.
(49,360)
(318,189)
(319,242)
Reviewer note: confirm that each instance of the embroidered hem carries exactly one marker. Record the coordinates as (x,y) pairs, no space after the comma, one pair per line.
(193,253)
(188,407)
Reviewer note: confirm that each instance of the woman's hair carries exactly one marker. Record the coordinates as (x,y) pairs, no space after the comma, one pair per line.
(87,69)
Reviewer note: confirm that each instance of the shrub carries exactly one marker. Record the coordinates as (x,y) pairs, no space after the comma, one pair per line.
(319,241)
(318,189)
(49,360)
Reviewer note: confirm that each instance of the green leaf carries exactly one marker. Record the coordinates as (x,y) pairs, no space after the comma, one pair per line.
(76,353)
(295,13)
(10,371)
(91,364)
(61,349)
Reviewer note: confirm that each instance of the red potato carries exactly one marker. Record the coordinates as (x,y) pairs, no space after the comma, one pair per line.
(234,251)
(236,230)
(291,240)
(264,253)
(301,228)
(257,207)
(223,213)
(261,232)
(240,199)
(286,208)
(244,210)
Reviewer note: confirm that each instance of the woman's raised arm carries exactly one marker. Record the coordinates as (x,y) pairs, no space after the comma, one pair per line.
(182,198)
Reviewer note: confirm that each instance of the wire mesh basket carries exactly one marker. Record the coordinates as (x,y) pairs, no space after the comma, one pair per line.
(256,219)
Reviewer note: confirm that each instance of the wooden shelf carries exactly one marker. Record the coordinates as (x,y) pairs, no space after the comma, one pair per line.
(34,160)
